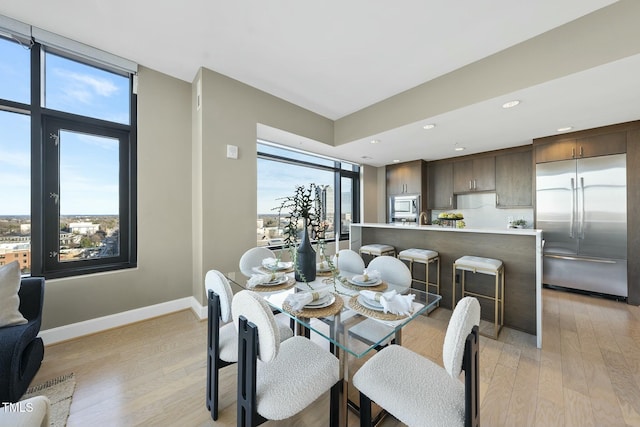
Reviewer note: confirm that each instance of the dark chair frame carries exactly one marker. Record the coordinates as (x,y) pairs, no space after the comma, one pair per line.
(21,350)
(247,360)
(470,366)
(214,363)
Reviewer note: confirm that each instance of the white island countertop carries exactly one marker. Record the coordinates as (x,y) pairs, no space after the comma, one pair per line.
(486,230)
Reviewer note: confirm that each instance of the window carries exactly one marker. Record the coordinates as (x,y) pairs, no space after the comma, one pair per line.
(76,213)
(14,72)
(280,170)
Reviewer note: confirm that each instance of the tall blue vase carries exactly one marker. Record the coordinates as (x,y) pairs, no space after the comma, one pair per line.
(305,258)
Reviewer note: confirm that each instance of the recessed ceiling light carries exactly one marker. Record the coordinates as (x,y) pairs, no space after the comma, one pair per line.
(396,161)
(459,148)
(375,141)
(510,104)
(428,126)
(564,129)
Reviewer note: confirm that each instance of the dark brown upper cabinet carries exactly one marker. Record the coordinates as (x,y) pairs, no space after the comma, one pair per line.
(514,180)
(441,186)
(478,174)
(406,178)
(578,148)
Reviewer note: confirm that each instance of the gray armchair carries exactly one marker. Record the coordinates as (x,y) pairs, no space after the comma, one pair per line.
(21,351)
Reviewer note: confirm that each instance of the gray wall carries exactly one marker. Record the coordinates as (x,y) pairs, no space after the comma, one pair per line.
(164,216)
(229,115)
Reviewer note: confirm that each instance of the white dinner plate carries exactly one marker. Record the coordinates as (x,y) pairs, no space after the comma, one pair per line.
(325,301)
(278,281)
(373,305)
(279,266)
(355,281)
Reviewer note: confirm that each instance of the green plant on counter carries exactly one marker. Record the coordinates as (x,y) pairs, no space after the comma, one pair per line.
(520,223)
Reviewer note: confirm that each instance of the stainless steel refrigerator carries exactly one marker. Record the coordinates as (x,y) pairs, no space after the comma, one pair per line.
(581,206)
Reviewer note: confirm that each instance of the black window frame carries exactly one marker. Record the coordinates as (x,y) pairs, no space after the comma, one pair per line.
(339,173)
(45,178)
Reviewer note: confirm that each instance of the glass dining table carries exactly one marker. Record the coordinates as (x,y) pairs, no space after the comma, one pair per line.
(348,324)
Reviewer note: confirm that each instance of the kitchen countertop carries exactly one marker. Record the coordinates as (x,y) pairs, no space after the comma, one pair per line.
(519,249)
(517,231)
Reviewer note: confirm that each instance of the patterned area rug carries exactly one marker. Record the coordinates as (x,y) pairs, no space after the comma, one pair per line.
(60,392)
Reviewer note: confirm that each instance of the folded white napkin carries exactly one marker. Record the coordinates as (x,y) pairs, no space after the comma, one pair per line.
(298,300)
(368,275)
(261,279)
(270,262)
(391,301)
(323,265)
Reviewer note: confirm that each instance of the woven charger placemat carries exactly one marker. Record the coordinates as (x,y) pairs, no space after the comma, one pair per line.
(355,305)
(317,312)
(327,273)
(381,287)
(286,285)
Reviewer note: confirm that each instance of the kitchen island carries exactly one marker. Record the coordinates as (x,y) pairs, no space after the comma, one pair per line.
(519,249)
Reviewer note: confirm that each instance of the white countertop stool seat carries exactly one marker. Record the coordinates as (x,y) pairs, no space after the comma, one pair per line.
(426,257)
(377,249)
(490,266)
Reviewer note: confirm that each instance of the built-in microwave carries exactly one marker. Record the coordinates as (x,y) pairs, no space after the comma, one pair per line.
(404,208)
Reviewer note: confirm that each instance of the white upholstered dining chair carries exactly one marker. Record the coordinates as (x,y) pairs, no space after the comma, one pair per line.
(290,375)
(222,342)
(253,258)
(349,260)
(393,271)
(420,392)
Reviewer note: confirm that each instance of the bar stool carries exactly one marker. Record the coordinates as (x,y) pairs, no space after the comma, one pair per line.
(377,249)
(426,257)
(489,266)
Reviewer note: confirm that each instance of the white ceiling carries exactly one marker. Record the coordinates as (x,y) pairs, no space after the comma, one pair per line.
(336,57)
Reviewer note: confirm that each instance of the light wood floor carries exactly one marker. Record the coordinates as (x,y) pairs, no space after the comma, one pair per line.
(588,373)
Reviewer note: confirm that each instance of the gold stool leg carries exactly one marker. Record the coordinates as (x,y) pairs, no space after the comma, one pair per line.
(502,299)
(496,301)
(426,276)
(453,297)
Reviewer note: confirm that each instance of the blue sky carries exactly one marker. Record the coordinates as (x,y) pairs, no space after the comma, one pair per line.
(278,180)
(89,164)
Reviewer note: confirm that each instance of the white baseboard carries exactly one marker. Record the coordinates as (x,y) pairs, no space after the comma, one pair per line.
(75,330)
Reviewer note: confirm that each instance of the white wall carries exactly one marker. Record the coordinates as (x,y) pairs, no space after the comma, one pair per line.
(480,211)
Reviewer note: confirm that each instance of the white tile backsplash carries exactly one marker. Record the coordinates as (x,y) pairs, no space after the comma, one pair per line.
(480,211)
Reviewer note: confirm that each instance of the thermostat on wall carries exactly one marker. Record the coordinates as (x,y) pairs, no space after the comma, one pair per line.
(232,151)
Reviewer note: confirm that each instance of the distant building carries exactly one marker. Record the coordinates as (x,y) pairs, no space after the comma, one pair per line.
(25,228)
(83,228)
(14,239)
(23,256)
(68,239)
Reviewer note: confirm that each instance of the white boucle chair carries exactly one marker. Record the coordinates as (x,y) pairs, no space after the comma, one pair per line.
(393,271)
(349,260)
(419,392)
(397,276)
(253,258)
(222,342)
(276,380)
